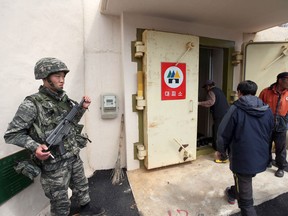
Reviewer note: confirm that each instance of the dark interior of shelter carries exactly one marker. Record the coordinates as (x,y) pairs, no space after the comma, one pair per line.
(210,67)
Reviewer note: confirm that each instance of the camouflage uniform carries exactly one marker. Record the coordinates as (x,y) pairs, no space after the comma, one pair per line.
(34,120)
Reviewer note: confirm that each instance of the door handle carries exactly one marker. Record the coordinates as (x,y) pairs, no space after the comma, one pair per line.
(283,53)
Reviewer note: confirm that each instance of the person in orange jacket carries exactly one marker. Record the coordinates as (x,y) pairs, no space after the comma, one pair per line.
(276,96)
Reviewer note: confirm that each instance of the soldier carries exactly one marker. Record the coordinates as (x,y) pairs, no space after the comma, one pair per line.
(34,120)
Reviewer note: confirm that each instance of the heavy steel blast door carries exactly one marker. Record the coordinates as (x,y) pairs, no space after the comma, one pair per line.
(263,61)
(170,66)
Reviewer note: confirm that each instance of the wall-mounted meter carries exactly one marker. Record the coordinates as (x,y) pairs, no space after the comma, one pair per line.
(109,106)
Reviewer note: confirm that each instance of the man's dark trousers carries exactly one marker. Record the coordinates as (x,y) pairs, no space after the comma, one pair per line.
(243,192)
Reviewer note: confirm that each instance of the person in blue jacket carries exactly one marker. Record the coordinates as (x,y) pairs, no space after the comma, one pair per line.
(245,133)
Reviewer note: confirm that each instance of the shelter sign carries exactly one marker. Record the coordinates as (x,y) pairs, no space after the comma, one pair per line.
(173,81)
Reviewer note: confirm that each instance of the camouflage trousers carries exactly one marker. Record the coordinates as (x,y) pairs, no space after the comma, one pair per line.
(55,184)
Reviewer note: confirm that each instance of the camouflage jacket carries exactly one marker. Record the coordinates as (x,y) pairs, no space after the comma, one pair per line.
(37,116)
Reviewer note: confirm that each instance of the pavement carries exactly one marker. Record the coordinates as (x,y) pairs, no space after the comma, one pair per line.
(275,207)
(190,189)
(197,189)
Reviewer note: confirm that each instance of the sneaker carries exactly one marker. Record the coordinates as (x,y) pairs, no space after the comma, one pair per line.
(88,210)
(230,199)
(221,161)
(279,173)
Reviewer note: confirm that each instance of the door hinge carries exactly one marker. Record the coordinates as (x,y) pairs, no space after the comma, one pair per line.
(186,154)
(140,103)
(139,49)
(237,58)
(141,151)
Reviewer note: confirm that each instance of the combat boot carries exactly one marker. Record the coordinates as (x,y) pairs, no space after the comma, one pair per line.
(88,210)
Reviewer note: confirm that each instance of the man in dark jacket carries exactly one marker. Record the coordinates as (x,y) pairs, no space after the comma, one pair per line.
(245,133)
(218,104)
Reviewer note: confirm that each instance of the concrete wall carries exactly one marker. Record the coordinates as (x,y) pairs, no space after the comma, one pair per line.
(273,34)
(103,74)
(32,30)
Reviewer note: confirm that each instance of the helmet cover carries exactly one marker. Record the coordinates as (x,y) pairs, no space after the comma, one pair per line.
(46,66)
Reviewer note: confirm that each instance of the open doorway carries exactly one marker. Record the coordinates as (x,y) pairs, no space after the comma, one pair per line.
(211,67)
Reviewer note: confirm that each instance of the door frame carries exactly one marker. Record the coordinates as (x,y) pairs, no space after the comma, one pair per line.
(229,48)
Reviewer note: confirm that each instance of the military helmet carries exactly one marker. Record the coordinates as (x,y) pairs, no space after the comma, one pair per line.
(46,66)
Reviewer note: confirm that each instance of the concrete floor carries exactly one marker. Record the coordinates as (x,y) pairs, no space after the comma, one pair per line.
(196,188)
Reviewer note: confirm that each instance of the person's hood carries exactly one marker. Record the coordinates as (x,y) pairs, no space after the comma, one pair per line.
(252,105)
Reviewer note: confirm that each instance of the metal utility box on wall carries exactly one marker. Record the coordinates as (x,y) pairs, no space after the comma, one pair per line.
(109,106)
(170,65)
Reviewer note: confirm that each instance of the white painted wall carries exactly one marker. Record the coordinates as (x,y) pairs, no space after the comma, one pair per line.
(89,43)
(32,30)
(97,50)
(273,34)
(103,74)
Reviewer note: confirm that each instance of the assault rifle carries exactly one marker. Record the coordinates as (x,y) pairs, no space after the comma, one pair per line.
(55,139)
